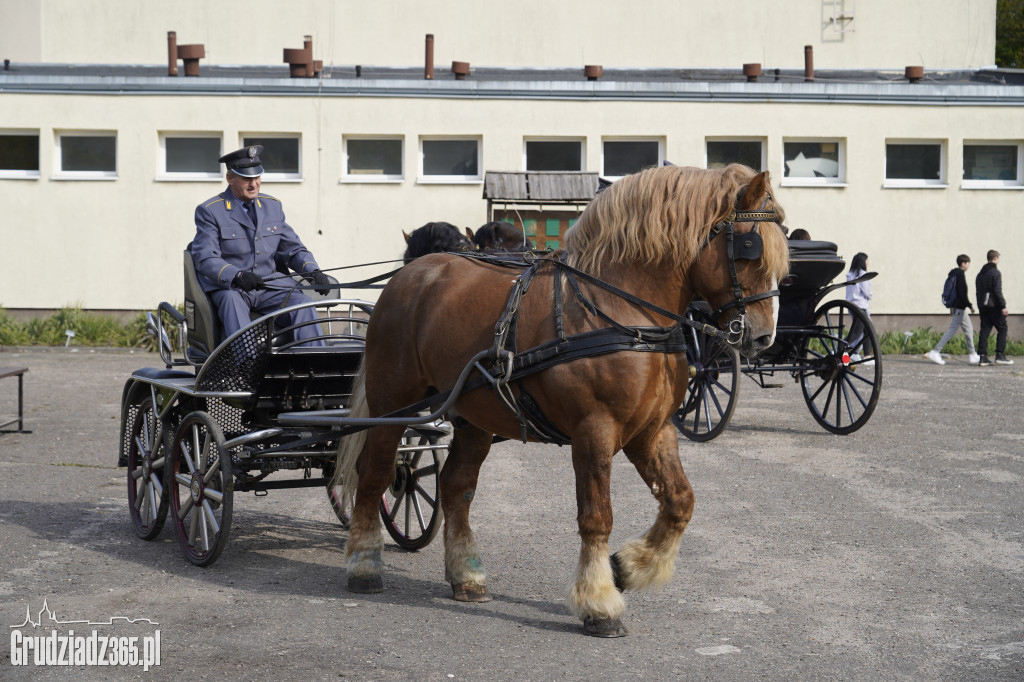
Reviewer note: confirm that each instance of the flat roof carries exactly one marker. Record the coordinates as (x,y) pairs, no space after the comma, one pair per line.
(970,87)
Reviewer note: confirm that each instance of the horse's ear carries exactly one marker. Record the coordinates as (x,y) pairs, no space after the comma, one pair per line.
(755,190)
(406,236)
(469,234)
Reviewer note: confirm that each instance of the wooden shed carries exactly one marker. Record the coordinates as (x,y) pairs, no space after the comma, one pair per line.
(543,203)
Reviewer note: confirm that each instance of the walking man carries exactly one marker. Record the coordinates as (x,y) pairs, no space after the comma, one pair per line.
(992,307)
(960,318)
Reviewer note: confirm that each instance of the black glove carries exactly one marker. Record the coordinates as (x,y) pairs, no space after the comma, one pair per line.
(321,281)
(247,281)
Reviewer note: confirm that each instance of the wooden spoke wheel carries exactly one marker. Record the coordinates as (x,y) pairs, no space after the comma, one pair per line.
(200,483)
(411,507)
(147,450)
(843,375)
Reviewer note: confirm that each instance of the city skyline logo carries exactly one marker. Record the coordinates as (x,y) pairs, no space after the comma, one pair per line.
(51,641)
(52,618)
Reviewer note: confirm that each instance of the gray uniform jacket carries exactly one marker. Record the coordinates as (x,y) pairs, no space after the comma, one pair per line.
(227,242)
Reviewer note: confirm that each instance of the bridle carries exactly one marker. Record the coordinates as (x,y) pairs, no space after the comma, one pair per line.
(746,246)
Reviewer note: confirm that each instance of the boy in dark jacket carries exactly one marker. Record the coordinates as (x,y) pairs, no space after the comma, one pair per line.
(960,319)
(992,309)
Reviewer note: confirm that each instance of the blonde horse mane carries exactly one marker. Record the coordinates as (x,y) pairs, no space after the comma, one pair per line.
(665,214)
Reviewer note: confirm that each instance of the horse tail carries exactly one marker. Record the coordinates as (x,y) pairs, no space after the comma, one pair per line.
(351,446)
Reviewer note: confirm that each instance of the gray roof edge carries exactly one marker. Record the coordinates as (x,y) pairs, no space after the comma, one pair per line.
(922,92)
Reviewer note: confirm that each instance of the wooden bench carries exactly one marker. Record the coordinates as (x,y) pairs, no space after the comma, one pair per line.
(20,419)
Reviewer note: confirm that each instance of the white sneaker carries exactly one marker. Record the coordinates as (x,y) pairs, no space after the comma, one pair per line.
(973,358)
(934,356)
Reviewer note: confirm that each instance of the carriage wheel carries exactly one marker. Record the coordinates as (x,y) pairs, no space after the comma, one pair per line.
(200,485)
(334,495)
(843,378)
(147,448)
(713,387)
(410,507)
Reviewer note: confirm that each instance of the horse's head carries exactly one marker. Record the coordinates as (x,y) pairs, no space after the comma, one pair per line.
(499,236)
(745,256)
(437,237)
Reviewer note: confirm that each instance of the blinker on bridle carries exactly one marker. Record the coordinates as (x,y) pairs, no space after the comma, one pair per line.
(747,246)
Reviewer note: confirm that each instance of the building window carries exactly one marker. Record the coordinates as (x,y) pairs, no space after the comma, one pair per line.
(813,162)
(86,156)
(915,164)
(748,152)
(280,156)
(623,157)
(190,156)
(450,160)
(992,165)
(19,154)
(554,155)
(373,159)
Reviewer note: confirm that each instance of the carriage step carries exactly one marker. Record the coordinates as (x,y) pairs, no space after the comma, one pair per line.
(772,386)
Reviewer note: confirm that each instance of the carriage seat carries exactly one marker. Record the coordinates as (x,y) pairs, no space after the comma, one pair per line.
(812,265)
(204,329)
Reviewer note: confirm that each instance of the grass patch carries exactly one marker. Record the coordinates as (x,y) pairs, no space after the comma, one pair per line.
(923,339)
(91,329)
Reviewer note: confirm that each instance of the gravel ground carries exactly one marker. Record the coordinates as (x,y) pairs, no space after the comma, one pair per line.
(896,552)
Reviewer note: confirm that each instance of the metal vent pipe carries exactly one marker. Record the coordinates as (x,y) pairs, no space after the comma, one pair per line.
(428,62)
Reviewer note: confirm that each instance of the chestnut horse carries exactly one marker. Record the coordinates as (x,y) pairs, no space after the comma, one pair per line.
(657,235)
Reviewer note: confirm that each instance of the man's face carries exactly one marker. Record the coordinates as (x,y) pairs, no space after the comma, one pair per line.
(245,189)
(965,265)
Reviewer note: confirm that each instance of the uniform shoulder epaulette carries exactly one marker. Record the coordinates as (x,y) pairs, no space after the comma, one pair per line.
(267,196)
(211,201)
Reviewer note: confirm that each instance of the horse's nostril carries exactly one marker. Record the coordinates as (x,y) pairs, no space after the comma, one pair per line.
(764,341)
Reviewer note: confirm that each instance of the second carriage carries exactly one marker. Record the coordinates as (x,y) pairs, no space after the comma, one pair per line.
(829,348)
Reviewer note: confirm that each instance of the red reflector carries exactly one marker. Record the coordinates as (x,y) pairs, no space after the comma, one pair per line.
(846,358)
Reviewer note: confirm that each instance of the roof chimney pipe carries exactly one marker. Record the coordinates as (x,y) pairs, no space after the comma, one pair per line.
(593,71)
(191,54)
(913,73)
(461,70)
(172,53)
(808,63)
(428,62)
(751,71)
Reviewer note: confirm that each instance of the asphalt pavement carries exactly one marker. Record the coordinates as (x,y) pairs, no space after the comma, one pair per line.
(893,553)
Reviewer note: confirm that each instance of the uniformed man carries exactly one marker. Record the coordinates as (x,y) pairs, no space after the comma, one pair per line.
(243,244)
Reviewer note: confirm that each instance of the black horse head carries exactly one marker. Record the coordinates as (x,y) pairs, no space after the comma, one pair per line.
(436,237)
(500,236)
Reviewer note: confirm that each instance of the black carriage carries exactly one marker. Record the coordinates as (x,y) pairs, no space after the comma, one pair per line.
(830,349)
(227,418)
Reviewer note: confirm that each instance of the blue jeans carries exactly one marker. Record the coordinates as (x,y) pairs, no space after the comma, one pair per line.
(960,320)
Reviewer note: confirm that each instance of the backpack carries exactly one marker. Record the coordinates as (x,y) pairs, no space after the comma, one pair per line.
(949,291)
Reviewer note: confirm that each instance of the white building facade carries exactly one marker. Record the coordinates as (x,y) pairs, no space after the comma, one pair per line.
(103,156)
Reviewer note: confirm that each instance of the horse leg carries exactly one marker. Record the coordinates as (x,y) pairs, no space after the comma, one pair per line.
(647,561)
(376,470)
(593,596)
(463,568)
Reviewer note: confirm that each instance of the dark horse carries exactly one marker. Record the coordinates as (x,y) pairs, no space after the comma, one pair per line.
(664,235)
(498,235)
(437,237)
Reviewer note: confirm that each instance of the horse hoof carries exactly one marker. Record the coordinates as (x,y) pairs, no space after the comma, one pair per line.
(365,585)
(471,592)
(604,627)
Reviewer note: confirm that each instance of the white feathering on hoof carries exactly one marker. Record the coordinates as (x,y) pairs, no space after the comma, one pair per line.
(351,446)
(644,566)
